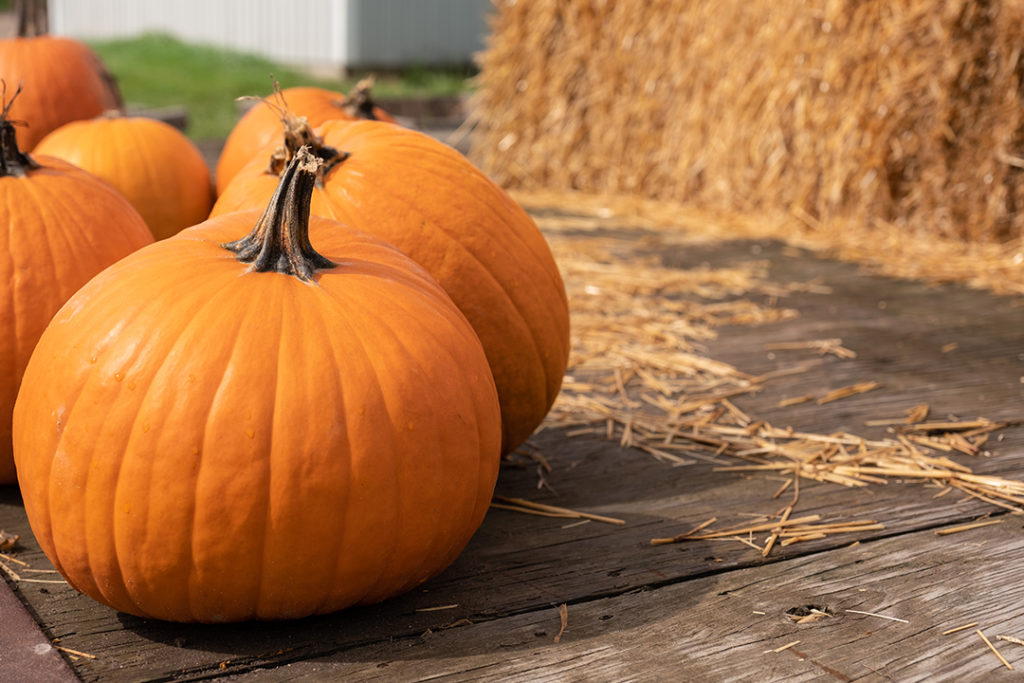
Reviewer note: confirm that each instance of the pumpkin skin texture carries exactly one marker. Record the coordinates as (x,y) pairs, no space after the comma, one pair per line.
(153,164)
(429,201)
(203,442)
(63,82)
(61,226)
(261,125)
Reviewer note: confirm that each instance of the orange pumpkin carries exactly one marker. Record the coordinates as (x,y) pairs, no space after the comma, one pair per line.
(64,79)
(61,227)
(261,125)
(226,426)
(153,164)
(430,202)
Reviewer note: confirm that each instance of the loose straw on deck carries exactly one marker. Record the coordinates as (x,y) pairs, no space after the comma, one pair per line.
(523,505)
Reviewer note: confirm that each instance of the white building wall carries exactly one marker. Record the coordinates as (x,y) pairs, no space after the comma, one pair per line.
(343,33)
(397,32)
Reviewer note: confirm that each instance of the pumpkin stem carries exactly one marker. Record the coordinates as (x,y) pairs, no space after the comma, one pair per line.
(13,162)
(297,134)
(359,103)
(33,18)
(279,241)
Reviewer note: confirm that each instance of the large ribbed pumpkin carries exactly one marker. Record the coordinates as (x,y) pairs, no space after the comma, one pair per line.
(159,170)
(429,201)
(261,125)
(64,80)
(60,226)
(226,426)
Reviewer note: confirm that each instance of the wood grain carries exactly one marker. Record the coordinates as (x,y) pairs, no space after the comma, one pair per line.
(728,627)
(664,613)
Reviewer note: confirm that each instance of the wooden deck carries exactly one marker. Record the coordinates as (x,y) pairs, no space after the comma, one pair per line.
(701,610)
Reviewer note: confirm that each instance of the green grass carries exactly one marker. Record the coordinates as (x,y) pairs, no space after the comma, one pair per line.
(160,71)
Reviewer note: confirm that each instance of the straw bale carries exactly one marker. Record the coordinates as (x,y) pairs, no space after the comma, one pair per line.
(842,112)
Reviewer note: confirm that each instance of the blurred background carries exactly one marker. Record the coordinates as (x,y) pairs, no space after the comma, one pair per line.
(890,130)
(197,56)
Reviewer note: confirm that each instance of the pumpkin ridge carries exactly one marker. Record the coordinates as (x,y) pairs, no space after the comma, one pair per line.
(400,148)
(206,449)
(384,584)
(136,139)
(540,252)
(537,359)
(59,209)
(395,533)
(225,295)
(48,541)
(53,210)
(58,250)
(553,314)
(374,589)
(13,258)
(444,553)
(461,247)
(282,362)
(11,291)
(39,208)
(315,324)
(113,494)
(69,411)
(134,429)
(40,205)
(338,391)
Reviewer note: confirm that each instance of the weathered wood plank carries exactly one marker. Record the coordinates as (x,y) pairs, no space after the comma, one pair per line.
(519,564)
(25,652)
(727,627)
(901,332)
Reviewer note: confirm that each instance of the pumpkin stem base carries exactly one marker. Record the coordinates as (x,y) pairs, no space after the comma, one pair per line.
(279,242)
(359,103)
(298,133)
(13,162)
(33,18)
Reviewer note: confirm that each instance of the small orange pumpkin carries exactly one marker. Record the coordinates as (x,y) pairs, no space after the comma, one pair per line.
(225,426)
(61,226)
(64,80)
(429,201)
(159,170)
(261,125)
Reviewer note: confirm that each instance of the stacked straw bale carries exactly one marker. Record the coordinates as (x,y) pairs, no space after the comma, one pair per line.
(840,112)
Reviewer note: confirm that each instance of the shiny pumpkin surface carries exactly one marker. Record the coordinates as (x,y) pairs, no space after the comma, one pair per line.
(261,126)
(62,82)
(428,200)
(61,226)
(153,164)
(197,442)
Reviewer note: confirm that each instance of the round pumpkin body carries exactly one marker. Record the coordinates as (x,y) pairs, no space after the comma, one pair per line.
(61,226)
(200,442)
(261,125)
(153,164)
(428,200)
(63,81)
